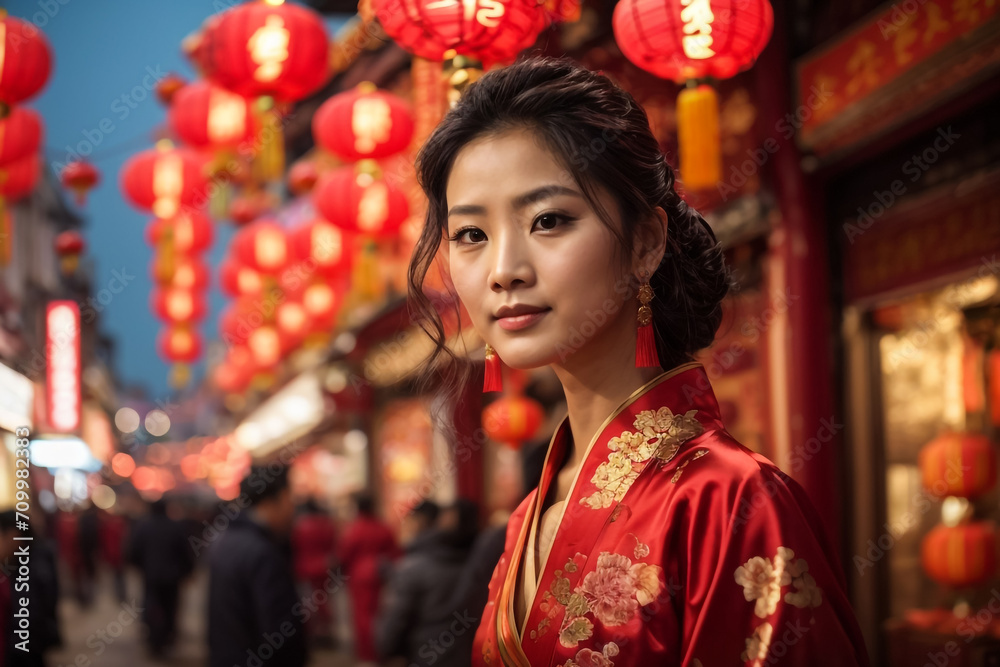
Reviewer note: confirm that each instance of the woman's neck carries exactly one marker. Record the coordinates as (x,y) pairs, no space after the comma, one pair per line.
(595,388)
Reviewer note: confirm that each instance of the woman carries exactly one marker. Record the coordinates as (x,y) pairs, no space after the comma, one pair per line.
(654,537)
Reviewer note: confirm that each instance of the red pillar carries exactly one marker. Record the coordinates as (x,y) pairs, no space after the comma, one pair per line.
(804,254)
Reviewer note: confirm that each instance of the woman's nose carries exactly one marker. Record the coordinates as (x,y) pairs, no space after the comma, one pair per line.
(511,264)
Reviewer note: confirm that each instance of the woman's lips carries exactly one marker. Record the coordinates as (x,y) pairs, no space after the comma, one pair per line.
(518,322)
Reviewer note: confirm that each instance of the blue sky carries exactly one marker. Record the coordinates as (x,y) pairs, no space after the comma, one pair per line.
(99,99)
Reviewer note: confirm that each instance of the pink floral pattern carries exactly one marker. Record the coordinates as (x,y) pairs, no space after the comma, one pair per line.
(586,657)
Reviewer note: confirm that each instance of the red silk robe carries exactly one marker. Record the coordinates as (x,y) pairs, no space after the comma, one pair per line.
(676,546)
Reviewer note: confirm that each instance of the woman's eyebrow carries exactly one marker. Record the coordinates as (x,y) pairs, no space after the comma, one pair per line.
(521,201)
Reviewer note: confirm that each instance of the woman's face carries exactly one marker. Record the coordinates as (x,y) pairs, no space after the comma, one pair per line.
(530,259)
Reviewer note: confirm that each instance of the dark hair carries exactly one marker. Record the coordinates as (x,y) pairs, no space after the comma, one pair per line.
(602,137)
(364,503)
(264,482)
(427,509)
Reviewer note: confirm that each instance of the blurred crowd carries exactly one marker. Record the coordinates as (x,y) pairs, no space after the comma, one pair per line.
(283,579)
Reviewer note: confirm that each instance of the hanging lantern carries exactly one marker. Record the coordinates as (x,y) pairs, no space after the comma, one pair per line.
(694,40)
(80,177)
(25,61)
(961,556)
(239,280)
(320,302)
(179,344)
(958,464)
(268,48)
(487,30)
(292,320)
(512,419)
(18,178)
(249,206)
(178,306)
(205,115)
(363,123)
(183,272)
(164,179)
(358,199)
(20,134)
(263,247)
(266,345)
(168,86)
(187,232)
(302,177)
(230,377)
(324,245)
(69,245)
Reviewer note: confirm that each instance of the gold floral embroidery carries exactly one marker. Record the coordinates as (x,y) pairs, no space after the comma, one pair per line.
(586,657)
(488,650)
(757,645)
(658,434)
(762,581)
(612,593)
(683,464)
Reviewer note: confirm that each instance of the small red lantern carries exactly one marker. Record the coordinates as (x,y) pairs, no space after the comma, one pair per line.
(69,246)
(363,123)
(20,134)
(80,177)
(512,419)
(25,60)
(360,200)
(267,48)
(320,302)
(205,115)
(959,464)
(168,86)
(231,377)
(183,272)
(263,247)
(19,178)
(302,177)
(188,232)
(179,344)
(249,206)
(324,245)
(164,179)
(239,280)
(266,345)
(179,306)
(292,320)
(487,30)
(961,556)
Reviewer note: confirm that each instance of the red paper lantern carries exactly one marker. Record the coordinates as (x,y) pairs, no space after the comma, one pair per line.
(20,134)
(363,123)
(488,30)
(179,344)
(205,115)
(302,177)
(320,301)
(262,48)
(266,345)
(25,60)
(80,177)
(179,306)
(680,40)
(324,245)
(961,556)
(164,179)
(512,419)
(187,232)
(959,464)
(263,247)
(239,280)
(361,201)
(292,320)
(232,377)
(69,242)
(183,272)
(249,206)
(18,178)
(168,86)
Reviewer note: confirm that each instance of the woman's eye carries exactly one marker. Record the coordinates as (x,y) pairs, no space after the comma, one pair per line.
(469,235)
(549,221)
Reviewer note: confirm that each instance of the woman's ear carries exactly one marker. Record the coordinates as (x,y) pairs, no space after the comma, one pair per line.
(651,242)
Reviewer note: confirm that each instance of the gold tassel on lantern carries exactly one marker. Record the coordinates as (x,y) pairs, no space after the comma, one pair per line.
(366,275)
(698,137)
(460,72)
(269,156)
(180,376)
(6,233)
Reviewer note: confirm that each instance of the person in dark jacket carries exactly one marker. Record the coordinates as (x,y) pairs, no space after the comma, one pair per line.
(158,549)
(417,620)
(254,615)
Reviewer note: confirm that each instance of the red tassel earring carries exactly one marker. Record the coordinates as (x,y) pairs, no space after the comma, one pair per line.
(494,375)
(645,346)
